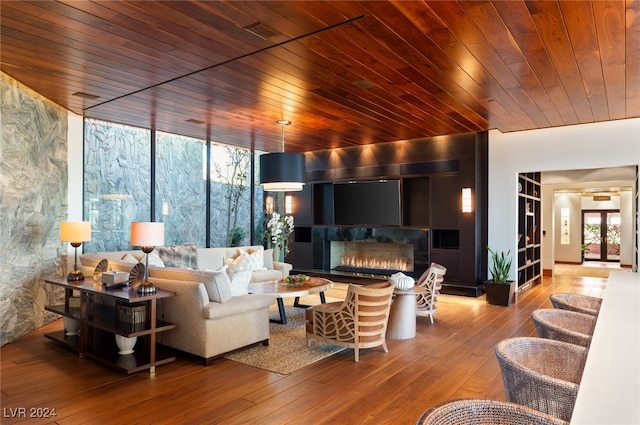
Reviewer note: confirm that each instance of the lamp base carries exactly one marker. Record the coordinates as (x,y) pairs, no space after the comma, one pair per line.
(75,276)
(146,287)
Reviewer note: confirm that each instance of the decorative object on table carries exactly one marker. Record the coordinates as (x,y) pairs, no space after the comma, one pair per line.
(101,267)
(71,326)
(132,313)
(295,280)
(114,279)
(125,344)
(500,290)
(279,229)
(137,275)
(401,281)
(282,171)
(75,232)
(147,235)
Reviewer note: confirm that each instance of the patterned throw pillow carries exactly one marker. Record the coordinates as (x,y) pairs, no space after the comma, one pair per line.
(185,256)
(254,260)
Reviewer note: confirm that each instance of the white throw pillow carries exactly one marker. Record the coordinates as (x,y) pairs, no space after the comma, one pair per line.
(129,258)
(154,260)
(254,260)
(237,264)
(240,282)
(267,259)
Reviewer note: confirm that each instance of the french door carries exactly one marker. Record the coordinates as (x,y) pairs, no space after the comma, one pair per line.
(601,235)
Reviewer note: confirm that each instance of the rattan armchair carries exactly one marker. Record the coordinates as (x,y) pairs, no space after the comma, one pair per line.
(360,321)
(564,325)
(576,302)
(485,412)
(542,374)
(431,283)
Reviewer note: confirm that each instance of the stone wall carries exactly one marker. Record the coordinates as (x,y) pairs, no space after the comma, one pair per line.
(33,201)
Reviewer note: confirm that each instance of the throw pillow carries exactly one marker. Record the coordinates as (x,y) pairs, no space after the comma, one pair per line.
(154,260)
(254,260)
(129,258)
(238,263)
(267,259)
(185,256)
(240,282)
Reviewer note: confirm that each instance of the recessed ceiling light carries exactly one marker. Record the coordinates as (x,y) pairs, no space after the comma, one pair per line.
(363,84)
(262,30)
(86,95)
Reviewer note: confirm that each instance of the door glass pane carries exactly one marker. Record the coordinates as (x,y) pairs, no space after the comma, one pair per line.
(613,236)
(592,231)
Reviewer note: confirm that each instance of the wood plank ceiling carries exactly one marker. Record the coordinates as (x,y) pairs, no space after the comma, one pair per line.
(344,72)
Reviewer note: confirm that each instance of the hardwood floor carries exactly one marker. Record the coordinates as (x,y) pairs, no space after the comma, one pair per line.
(452,358)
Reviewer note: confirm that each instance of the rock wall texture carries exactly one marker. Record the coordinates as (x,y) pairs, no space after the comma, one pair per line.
(33,201)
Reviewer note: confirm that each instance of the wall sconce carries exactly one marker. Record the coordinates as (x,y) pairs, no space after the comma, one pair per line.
(75,232)
(466,199)
(288,204)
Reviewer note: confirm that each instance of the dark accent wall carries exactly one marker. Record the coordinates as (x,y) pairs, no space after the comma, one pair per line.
(432,171)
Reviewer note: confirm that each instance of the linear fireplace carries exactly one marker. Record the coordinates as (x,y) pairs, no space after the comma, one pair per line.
(371,257)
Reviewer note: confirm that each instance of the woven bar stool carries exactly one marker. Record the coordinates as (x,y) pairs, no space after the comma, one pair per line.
(541,373)
(484,412)
(576,302)
(564,325)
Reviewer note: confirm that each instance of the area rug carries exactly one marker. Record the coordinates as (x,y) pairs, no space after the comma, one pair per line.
(594,270)
(287,350)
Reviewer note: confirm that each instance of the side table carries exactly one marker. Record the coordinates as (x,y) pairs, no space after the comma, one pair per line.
(402,317)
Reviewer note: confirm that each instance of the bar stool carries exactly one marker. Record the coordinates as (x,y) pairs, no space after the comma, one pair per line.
(564,325)
(479,411)
(542,374)
(576,302)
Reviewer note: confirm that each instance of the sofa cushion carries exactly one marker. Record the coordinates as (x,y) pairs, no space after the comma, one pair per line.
(215,282)
(185,256)
(238,305)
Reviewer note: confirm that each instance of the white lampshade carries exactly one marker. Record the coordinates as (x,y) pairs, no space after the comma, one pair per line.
(75,231)
(147,234)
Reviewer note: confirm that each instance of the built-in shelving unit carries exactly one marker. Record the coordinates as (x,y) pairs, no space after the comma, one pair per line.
(99,323)
(529,219)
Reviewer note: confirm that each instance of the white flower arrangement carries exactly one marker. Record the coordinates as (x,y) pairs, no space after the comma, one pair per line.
(279,228)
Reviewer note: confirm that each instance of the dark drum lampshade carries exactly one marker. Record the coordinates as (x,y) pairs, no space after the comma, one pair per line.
(282,171)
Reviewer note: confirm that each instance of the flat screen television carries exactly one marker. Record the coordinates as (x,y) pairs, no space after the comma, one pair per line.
(371,203)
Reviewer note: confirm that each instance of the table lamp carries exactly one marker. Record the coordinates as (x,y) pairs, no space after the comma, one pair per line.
(75,232)
(146,235)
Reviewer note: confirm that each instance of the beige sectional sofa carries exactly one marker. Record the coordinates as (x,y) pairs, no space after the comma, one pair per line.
(214,313)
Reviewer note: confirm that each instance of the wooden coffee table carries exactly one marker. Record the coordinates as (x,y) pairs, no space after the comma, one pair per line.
(285,290)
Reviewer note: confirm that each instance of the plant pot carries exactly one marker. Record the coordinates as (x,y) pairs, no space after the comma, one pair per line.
(500,293)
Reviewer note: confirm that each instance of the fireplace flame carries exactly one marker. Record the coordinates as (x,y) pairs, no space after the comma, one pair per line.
(374,263)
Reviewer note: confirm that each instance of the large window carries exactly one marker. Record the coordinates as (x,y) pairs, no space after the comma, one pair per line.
(181,189)
(118,188)
(117,172)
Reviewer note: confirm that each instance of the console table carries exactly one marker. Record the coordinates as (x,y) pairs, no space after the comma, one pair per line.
(99,325)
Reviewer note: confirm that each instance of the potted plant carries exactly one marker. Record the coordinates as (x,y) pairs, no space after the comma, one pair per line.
(500,290)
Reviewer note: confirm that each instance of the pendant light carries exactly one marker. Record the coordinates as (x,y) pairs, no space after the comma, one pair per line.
(282,171)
